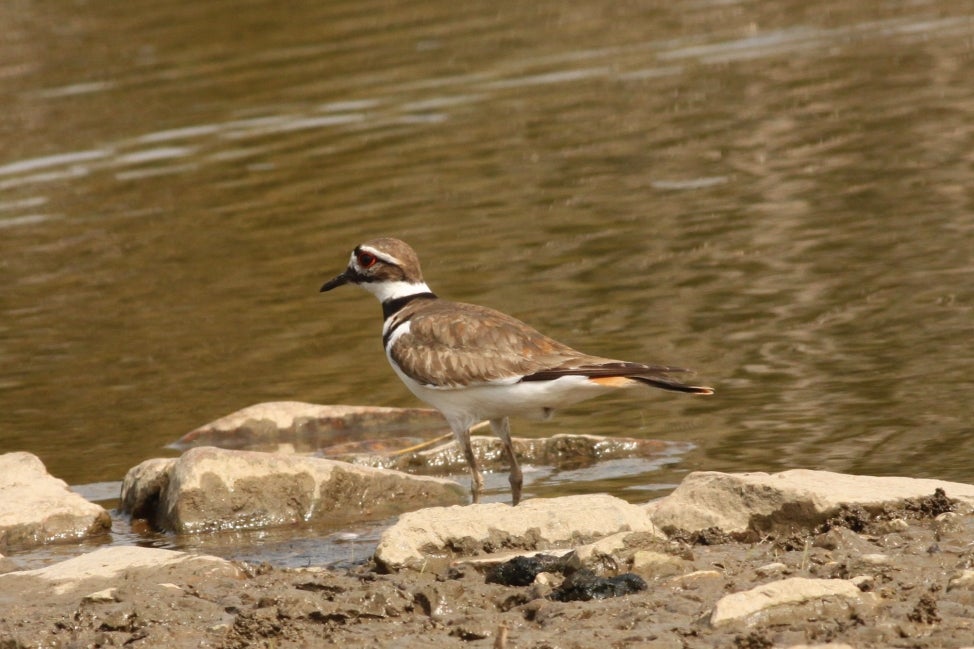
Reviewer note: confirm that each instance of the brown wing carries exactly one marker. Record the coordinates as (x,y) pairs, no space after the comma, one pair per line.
(451,345)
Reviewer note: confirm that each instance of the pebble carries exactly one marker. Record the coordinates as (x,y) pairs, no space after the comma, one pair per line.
(106,595)
(864,582)
(771,568)
(962,579)
(694,579)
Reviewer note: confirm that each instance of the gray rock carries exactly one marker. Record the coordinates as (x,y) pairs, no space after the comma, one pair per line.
(105,568)
(444,533)
(37,508)
(735,502)
(209,489)
(756,605)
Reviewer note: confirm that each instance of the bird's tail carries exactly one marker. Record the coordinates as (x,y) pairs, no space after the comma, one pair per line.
(620,374)
(674,386)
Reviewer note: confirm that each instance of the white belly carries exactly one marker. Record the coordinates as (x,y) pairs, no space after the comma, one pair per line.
(464,407)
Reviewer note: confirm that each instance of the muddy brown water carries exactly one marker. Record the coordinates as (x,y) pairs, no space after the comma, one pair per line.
(778,195)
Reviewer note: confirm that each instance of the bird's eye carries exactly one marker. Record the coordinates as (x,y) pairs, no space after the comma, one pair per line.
(365,259)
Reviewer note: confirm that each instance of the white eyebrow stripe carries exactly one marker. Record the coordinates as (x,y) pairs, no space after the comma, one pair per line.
(381,255)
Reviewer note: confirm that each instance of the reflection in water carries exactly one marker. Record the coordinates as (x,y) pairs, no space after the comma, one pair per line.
(777,196)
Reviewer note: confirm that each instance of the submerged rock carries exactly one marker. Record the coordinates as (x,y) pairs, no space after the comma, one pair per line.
(405,439)
(307,427)
(799,498)
(564,451)
(37,508)
(208,489)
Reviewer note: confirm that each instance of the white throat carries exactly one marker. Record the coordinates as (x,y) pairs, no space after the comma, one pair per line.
(394,290)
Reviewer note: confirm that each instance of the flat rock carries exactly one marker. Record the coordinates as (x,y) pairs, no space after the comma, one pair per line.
(37,508)
(104,568)
(445,533)
(748,606)
(735,502)
(208,489)
(307,427)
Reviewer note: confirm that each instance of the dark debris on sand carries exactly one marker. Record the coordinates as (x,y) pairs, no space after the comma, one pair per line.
(580,584)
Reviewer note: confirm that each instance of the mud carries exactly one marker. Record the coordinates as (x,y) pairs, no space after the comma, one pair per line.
(909,558)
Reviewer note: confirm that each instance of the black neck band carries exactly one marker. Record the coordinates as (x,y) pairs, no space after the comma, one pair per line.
(390,307)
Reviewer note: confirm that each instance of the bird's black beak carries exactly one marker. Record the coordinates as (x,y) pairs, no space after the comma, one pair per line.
(335,282)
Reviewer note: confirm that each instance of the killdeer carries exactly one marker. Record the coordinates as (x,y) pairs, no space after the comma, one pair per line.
(474,363)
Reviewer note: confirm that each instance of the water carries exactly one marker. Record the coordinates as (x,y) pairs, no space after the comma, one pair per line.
(777,195)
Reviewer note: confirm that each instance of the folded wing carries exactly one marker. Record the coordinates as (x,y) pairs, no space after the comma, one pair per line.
(455,345)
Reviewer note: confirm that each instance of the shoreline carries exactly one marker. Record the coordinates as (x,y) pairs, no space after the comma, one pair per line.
(827,564)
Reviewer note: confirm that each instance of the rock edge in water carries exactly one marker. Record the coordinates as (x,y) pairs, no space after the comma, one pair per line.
(210,489)
(36,508)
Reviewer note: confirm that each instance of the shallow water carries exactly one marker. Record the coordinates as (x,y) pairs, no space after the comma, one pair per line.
(777,195)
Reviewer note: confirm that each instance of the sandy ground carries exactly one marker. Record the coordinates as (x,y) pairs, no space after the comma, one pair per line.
(910,560)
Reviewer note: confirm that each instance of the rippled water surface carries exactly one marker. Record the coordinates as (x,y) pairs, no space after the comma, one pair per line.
(779,195)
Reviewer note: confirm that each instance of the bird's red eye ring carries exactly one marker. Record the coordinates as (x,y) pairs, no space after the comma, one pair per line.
(365,259)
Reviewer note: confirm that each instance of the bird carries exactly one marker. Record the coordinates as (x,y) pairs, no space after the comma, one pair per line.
(473,363)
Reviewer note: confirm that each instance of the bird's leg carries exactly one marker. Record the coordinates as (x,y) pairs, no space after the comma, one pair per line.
(476,480)
(502,428)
